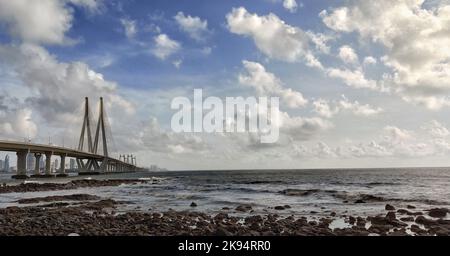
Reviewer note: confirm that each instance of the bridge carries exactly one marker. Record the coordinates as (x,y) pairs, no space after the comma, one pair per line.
(89,159)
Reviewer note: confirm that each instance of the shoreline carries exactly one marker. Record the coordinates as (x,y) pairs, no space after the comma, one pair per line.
(93,215)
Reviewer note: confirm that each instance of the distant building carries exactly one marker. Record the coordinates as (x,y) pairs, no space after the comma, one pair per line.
(1,166)
(30,162)
(56,164)
(72,164)
(6,164)
(42,163)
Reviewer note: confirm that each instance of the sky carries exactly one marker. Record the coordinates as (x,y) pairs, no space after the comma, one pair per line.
(361,83)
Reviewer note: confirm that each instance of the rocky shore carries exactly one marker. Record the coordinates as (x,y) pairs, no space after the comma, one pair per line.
(74,184)
(88,215)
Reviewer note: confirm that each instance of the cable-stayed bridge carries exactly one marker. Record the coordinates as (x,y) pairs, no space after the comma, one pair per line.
(92,156)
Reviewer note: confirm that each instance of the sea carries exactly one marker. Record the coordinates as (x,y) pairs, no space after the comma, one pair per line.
(318,192)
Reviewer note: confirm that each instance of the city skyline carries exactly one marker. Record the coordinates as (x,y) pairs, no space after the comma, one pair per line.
(360,84)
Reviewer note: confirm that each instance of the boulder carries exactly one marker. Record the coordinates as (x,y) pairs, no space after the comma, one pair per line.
(389,207)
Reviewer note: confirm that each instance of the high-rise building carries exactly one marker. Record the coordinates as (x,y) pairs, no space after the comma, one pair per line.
(1,166)
(30,161)
(6,164)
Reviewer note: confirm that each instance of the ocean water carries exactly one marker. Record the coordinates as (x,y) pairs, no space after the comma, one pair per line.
(307,192)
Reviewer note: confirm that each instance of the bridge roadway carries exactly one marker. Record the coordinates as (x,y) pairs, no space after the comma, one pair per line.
(92,166)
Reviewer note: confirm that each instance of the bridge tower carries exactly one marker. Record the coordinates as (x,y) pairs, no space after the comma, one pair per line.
(106,163)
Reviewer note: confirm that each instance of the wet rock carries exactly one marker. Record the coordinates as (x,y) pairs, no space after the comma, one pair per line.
(75,197)
(410,206)
(389,207)
(351,220)
(407,219)
(360,201)
(287,206)
(406,212)
(416,229)
(332,214)
(243,208)
(424,221)
(438,212)
(279,208)
(193,204)
(391,216)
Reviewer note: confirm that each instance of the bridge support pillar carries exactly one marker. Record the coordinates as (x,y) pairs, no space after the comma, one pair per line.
(62,169)
(48,164)
(37,157)
(21,165)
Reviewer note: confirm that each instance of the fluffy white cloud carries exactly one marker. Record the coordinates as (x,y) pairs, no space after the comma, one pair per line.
(165,47)
(290,5)
(129,27)
(301,128)
(266,83)
(324,108)
(353,78)
(416,39)
(44,21)
(369,60)
(272,36)
(193,26)
(16,120)
(348,55)
(156,139)
(58,88)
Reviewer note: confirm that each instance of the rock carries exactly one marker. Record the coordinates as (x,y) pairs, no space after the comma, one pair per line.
(279,208)
(360,201)
(389,207)
(416,229)
(410,206)
(406,212)
(287,206)
(244,208)
(391,216)
(351,220)
(438,212)
(193,204)
(424,221)
(407,219)
(332,214)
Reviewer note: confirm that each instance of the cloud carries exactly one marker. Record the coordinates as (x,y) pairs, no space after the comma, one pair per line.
(156,139)
(290,5)
(41,22)
(16,120)
(267,84)
(435,129)
(348,55)
(416,40)
(177,63)
(129,27)
(369,60)
(165,47)
(301,128)
(58,88)
(324,108)
(193,26)
(353,78)
(272,36)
